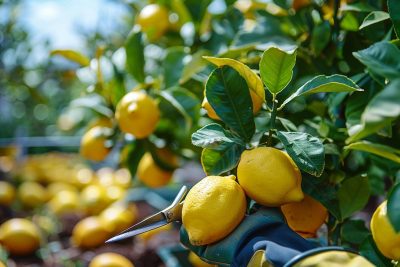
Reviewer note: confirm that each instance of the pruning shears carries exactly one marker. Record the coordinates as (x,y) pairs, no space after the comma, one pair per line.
(170,214)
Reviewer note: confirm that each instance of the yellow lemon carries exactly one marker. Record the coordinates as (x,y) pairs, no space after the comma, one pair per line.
(90,233)
(94,199)
(19,236)
(298,4)
(196,261)
(122,177)
(212,209)
(305,217)
(110,259)
(154,21)
(137,114)
(153,175)
(94,144)
(32,194)
(83,177)
(385,237)
(269,176)
(117,218)
(7,193)
(65,202)
(54,188)
(103,122)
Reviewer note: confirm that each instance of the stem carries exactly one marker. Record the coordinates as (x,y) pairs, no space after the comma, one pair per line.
(336,26)
(273,118)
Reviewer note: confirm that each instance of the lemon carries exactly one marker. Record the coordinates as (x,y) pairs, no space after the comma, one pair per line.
(2,264)
(110,259)
(212,209)
(385,237)
(196,261)
(269,176)
(32,194)
(94,199)
(103,122)
(94,143)
(65,202)
(305,217)
(54,188)
(19,236)
(7,193)
(137,114)
(83,177)
(154,21)
(122,177)
(257,104)
(89,233)
(153,175)
(117,218)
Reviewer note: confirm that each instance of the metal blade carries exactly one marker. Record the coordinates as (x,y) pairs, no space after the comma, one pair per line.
(150,223)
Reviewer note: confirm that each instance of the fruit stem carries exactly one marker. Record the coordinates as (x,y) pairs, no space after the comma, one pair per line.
(273,118)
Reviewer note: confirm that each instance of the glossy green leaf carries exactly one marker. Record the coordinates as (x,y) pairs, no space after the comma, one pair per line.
(132,154)
(374,17)
(369,250)
(357,7)
(377,149)
(195,65)
(276,68)
(380,111)
(173,65)
(393,207)
(213,136)
(321,35)
(381,58)
(353,195)
(394,11)
(228,94)
(306,151)
(134,50)
(355,231)
(72,56)
(325,84)
(216,162)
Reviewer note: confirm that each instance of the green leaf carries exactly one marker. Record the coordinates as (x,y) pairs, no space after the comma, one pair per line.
(72,55)
(354,231)
(276,68)
(184,101)
(94,102)
(394,11)
(381,58)
(374,17)
(216,162)
(369,250)
(377,149)
(380,111)
(353,195)
(228,94)
(132,154)
(195,65)
(213,136)
(393,207)
(321,35)
(306,151)
(134,50)
(173,65)
(324,84)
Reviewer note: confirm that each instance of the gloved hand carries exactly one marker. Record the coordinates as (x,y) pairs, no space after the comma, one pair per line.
(237,248)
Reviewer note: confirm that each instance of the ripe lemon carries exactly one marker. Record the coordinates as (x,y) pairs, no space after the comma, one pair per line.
(122,177)
(153,175)
(89,233)
(212,209)
(32,194)
(257,104)
(7,193)
(269,176)
(110,260)
(305,217)
(196,261)
(94,143)
(115,193)
(94,199)
(117,218)
(54,188)
(137,114)
(154,21)
(65,202)
(19,236)
(385,237)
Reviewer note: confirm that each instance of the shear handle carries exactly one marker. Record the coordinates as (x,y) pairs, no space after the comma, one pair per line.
(174,211)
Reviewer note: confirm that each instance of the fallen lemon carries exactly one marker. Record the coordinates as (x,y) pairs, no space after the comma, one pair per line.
(137,114)
(32,194)
(117,218)
(94,144)
(89,233)
(110,260)
(7,193)
(305,217)
(154,21)
(94,199)
(269,176)
(54,188)
(385,237)
(19,236)
(213,208)
(65,202)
